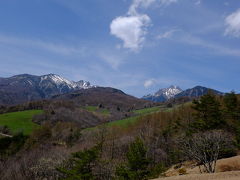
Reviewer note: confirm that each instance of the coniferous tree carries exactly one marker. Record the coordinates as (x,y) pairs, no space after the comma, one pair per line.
(81,165)
(231,106)
(136,167)
(208,114)
(232,114)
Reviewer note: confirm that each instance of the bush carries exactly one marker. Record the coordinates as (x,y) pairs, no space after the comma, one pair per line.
(11,145)
(158,170)
(182,171)
(4,130)
(177,166)
(45,169)
(39,136)
(65,133)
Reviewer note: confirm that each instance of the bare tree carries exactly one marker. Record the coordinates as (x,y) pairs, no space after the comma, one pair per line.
(205,148)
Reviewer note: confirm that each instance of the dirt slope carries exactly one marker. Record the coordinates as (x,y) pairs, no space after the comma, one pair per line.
(232,175)
(193,172)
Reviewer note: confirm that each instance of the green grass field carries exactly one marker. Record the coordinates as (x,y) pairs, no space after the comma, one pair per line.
(91,108)
(20,121)
(147,110)
(95,109)
(105,112)
(124,122)
(131,120)
(142,112)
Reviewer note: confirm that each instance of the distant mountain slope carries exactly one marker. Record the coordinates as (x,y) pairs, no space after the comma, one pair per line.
(197,92)
(106,96)
(25,87)
(163,95)
(73,106)
(174,92)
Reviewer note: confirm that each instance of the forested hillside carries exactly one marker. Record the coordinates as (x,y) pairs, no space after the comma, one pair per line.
(156,139)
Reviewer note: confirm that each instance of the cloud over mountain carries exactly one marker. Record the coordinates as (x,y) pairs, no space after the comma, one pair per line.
(130,29)
(233,24)
(150,82)
(133,27)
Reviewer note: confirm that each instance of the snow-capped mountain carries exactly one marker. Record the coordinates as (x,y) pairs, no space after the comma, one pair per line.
(163,94)
(25,87)
(63,83)
(169,92)
(175,92)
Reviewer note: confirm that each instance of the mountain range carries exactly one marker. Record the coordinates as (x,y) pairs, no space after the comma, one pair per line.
(25,87)
(172,92)
(21,88)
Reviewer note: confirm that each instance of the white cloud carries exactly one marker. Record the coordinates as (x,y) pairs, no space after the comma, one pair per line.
(144,4)
(216,48)
(198,2)
(233,24)
(150,82)
(112,60)
(165,81)
(133,27)
(130,29)
(44,45)
(133,9)
(166,34)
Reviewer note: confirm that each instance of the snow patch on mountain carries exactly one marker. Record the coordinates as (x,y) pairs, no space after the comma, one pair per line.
(60,81)
(163,94)
(169,92)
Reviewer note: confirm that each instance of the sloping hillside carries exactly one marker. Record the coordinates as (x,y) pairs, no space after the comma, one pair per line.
(192,171)
(19,121)
(107,97)
(233,175)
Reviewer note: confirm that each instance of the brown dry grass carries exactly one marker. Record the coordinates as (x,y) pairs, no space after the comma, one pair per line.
(234,166)
(228,168)
(233,175)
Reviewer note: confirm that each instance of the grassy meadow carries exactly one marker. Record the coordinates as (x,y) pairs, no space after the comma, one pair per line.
(95,109)
(19,121)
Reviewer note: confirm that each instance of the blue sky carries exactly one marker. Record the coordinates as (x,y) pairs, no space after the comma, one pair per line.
(137,46)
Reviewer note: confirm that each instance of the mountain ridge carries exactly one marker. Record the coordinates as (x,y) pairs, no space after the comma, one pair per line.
(175,92)
(197,91)
(25,87)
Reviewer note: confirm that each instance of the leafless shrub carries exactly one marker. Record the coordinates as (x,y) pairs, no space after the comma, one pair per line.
(38,163)
(46,168)
(4,130)
(205,148)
